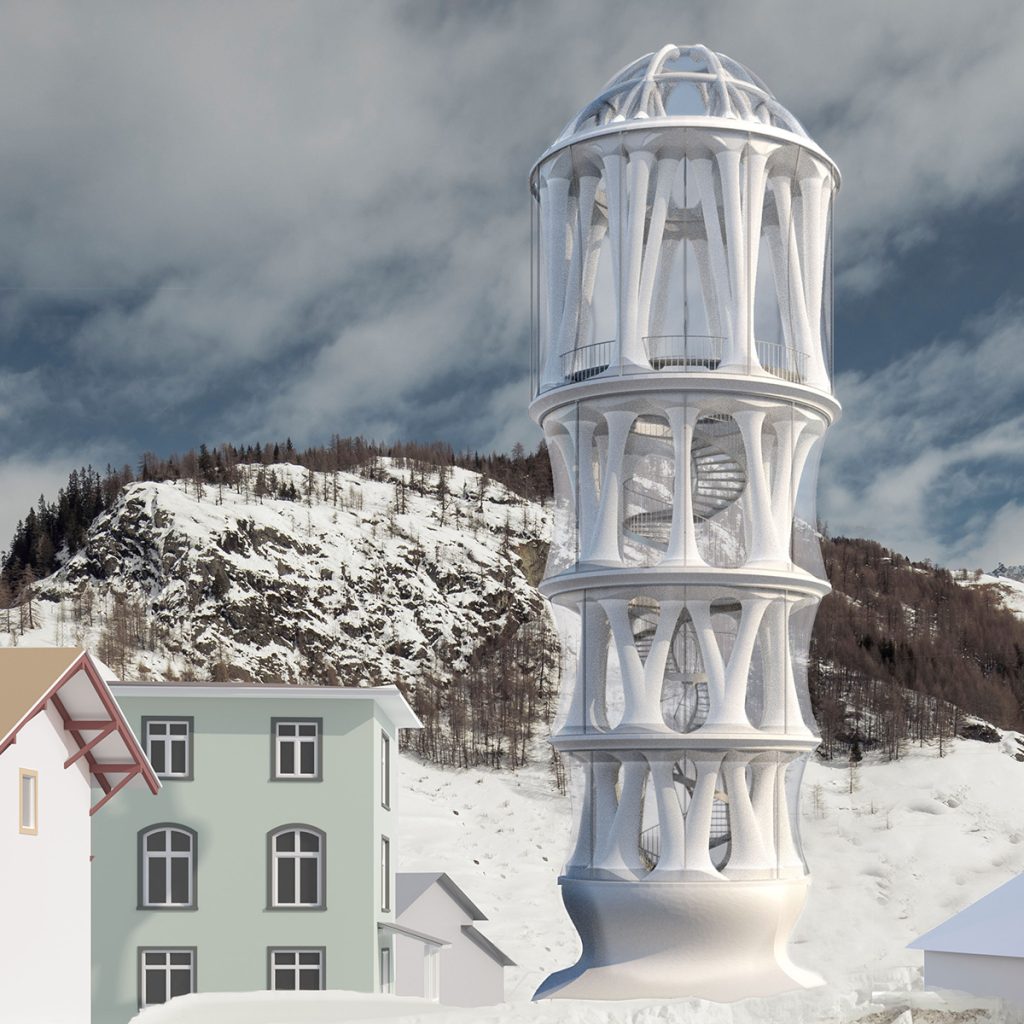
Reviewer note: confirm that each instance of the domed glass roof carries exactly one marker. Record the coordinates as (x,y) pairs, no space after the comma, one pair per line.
(682,81)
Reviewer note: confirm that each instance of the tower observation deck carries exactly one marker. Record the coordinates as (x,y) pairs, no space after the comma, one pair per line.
(682,374)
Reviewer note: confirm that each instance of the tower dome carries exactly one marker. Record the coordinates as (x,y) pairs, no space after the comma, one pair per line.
(682,82)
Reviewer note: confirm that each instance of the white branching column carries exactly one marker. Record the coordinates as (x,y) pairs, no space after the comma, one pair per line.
(683,381)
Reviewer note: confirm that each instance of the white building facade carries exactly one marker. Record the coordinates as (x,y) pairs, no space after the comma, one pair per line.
(980,950)
(60,733)
(682,376)
(461,966)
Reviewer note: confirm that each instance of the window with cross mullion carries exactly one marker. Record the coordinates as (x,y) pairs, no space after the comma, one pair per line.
(296,749)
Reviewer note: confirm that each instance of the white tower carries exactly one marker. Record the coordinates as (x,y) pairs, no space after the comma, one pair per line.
(682,376)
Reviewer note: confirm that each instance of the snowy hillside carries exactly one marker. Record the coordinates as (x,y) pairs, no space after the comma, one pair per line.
(355,579)
(1009,589)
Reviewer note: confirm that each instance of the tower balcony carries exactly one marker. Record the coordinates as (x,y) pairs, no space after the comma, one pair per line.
(680,353)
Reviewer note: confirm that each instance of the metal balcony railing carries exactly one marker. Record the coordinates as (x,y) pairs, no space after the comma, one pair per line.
(696,353)
(580,364)
(782,361)
(693,352)
(699,352)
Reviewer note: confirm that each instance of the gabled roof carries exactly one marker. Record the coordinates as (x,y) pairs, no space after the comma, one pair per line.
(26,673)
(411,885)
(71,682)
(481,940)
(989,927)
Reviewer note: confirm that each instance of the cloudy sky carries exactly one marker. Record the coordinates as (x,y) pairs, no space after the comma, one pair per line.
(240,220)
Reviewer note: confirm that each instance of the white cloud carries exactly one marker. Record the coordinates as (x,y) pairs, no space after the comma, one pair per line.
(269,219)
(927,446)
(24,478)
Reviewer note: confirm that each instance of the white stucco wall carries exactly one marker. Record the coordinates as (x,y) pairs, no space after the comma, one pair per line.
(1001,976)
(469,976)
(44,885)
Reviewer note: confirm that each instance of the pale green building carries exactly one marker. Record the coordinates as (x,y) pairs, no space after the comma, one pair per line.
(266,860)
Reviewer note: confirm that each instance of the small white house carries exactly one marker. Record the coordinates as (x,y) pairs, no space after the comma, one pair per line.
(439,952)
(981,949)
(61,735)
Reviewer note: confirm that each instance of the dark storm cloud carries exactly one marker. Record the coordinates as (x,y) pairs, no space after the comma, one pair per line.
(234,220)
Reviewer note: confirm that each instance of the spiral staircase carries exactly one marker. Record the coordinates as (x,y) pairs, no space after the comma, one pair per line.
(718,474)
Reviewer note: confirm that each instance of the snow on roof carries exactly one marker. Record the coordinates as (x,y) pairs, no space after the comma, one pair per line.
(989,927)
(682,81)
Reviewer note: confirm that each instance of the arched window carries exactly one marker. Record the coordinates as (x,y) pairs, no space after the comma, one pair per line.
(167,867)
(297,858)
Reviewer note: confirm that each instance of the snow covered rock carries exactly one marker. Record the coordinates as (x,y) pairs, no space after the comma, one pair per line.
(301,576)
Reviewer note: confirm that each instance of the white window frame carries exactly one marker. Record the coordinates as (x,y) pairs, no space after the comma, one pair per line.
(385,873)
(167,968)
(277,954)
(298,855)
(298,742)
(385,771)
(167,855)
(387,981)
(168,741)
(28,823)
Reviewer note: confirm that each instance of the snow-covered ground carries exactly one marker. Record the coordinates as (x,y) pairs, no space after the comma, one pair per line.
(894,849)
(1011,591)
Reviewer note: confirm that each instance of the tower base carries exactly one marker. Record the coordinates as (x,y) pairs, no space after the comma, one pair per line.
(722,941)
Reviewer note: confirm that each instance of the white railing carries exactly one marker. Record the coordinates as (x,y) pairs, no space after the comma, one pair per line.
(583,363)
(646,515)
(680,353)
(782,361)
(699,352)
(686,352)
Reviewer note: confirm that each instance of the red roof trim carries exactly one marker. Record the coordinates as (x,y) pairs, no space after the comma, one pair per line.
(139,764)
(123,730)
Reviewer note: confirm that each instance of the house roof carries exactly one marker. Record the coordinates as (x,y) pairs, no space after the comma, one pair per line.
(411,885)
(26,673)
(481,940)
(388,698)
(73,684)
(989,927)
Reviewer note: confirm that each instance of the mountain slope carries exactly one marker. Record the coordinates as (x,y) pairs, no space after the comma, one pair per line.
(353,579)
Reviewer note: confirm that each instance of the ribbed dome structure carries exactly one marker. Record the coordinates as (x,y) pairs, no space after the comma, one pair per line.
(682,81)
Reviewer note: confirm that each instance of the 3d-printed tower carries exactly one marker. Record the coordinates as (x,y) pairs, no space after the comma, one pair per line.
(682,376)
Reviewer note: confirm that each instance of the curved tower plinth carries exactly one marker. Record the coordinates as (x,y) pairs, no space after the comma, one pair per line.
(682,377)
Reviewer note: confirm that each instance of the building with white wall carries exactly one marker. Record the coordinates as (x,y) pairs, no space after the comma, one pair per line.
(65,751)
(461,966)
(981,949)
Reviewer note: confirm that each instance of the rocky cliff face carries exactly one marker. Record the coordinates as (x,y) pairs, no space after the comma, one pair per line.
(356,579)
